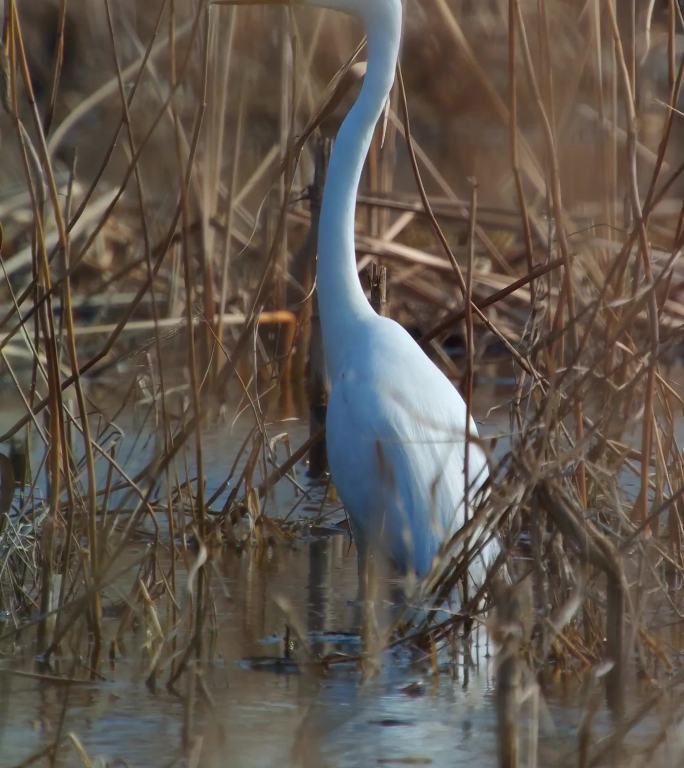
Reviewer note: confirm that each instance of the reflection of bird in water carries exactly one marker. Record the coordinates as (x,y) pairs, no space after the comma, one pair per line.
(396,427)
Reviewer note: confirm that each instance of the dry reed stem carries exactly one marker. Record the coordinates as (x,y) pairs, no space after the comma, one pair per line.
(578,325)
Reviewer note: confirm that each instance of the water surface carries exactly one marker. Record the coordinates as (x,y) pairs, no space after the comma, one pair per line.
(260,701)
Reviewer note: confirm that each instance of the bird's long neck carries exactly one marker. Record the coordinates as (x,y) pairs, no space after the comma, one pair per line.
(342,301)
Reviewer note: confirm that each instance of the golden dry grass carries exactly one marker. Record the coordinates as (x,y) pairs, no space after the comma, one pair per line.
(153,175)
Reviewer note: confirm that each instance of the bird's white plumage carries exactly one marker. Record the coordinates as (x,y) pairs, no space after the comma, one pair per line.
(396,426)
(396,446)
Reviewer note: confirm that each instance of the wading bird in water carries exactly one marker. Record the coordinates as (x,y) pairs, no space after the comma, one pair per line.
(396,426)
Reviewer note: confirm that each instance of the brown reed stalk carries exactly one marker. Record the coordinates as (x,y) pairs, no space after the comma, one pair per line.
(225,258)
(57,448)
(509,678)
(641,508)
(514,140)
(581,617)
(56,67)
(567,291)
(378,289)
(184,173)
(469,375)
(134,151)
(440,234)
(597,550)
(160,251)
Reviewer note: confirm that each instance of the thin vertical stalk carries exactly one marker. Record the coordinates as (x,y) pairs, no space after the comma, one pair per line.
(285,125)
(567,295)
(513,137)
(469,372)
(187,271)
(96,609)
(64,245)
(135,153)
(641,507)
(225,257)
(56,67)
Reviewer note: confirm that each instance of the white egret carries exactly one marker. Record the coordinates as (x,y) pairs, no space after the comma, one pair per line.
(396,426)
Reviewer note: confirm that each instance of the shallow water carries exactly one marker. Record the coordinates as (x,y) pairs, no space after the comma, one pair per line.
(263,706)
(273,712)
(267,709)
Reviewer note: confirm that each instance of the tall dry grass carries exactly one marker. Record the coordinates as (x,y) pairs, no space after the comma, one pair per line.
(527,199)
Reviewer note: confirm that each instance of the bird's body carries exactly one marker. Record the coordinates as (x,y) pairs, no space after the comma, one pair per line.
(395,433)
(396,427)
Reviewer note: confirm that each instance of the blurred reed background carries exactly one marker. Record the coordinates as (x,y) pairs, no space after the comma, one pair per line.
(157,175)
